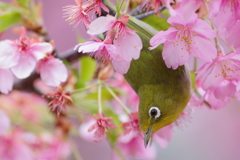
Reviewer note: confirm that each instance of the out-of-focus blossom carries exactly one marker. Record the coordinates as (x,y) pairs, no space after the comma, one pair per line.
(186,37)
(49,147)
(115,48)
(135,148)
(163,136)
(155,4)
(6,80)
(4,122)
(79,13)
(22,55)
(131,129)
(59,100)
(13,147)
(226,18)
(23,106)
(52,71)
(130,142)
(222,68)
(100,127)
(132,99)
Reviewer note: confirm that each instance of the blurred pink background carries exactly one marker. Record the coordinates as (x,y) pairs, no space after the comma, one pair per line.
(209,135)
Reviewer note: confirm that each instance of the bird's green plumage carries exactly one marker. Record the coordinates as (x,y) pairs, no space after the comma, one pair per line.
(156,84)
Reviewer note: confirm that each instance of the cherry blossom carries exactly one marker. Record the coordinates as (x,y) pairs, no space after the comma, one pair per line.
(155,4)
(22,55)
(185,37)
(131,141)
(117,33)
(59,100)
(100,127)
(135,148)
(4,122)
(13,147)
(163,136)
(79,13)
(52,71)
(6,80)
(222,68)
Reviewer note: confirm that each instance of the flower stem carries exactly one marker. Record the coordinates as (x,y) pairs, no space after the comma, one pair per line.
(195,64)
(126,7)
(218,46)
(75,152)
(100,98)
(83,89)
(117,99)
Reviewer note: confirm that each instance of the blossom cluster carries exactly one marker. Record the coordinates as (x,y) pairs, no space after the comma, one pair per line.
(19,58)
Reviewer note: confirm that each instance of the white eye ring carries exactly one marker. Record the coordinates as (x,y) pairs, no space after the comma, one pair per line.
(154,112)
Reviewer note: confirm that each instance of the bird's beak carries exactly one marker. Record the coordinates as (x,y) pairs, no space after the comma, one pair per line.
(147,136)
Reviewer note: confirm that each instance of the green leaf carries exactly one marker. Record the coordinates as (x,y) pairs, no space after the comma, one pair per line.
(87,69)
(157,23)
(9,19)
(7,7)
(23,3)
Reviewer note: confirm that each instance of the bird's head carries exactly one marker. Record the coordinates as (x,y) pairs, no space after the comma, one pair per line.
(158,109)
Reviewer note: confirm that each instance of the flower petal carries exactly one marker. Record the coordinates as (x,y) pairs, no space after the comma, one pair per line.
(53,72)
(174,55)
(6,80)
(204,29)
(163,136)
(4,122)
(100,25)
(39,50)
(121,66)
(162,36)
(25,66)
(128,45)
(203,49)
(89,47)
(9,56)
(213,78)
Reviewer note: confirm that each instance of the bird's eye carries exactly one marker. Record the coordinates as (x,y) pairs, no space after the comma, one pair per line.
(154,112)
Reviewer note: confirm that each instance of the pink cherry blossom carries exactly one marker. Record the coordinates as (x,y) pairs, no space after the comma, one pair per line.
(6,80)
(131,129)
(4,122)
(49,147)
(22,55)
(100,127)
(222,68)
(60,99)
(13,147)
(102,50)
(163,136)
(208,98)
(185,37)
(79,13)
(155,4)
(52,71)
(135,148)
(226,17)
(186,8)
(117,33)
